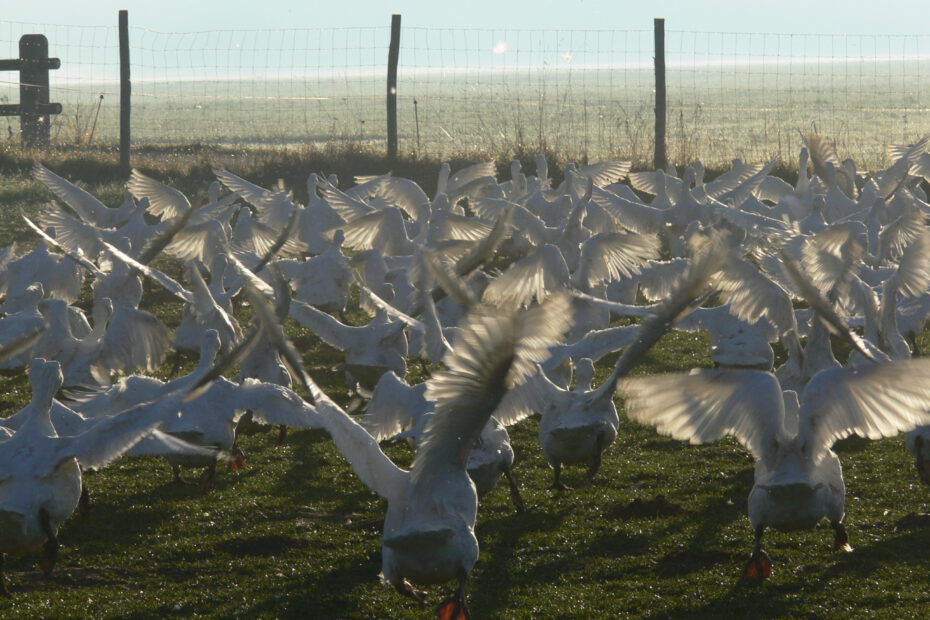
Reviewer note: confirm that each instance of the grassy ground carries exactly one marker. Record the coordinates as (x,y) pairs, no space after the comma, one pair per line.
(662,531)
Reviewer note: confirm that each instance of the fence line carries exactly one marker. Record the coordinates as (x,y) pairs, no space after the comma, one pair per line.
(584,94)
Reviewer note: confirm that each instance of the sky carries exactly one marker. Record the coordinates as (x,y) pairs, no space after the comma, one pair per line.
(784,16)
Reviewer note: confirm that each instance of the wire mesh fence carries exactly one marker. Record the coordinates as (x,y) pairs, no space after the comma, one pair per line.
(583,94)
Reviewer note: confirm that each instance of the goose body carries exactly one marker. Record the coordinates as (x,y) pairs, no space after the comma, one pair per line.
(429,525)
(397,410)
(574,427)
(798,478)
(210,419)
(40,471)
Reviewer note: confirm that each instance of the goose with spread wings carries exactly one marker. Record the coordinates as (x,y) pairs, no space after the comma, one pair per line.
(798,477)
(429,527)
(40,471)
(397,410)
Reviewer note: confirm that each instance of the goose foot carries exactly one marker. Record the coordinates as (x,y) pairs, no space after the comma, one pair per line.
(3,590)
(454,608)
(759,566)
(208,479)
(557,483)
(50,548)
(515,491)
(238,460)
(840,538)
(84,501)
(282,435)
(406,589)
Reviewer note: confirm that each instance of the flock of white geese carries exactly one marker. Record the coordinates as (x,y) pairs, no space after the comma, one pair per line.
(512,287)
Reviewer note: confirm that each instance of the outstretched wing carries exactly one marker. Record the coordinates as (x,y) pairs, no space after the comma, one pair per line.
(708,404)
(872,401)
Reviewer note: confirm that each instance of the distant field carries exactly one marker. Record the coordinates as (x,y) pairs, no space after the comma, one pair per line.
(752,111)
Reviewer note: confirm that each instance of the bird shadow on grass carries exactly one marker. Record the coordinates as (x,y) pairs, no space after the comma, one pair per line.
(503,543)
(308,478)
(907,547)
(772,599)
(26,577)
(328,595)
(741,600)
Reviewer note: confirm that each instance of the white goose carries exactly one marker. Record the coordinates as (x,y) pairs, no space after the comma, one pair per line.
(574,427)
(578,425)
(87,207)
(210,419)
(40,472)
(61,278)
(324,280)
(14,325)
(371,349)
(798,478)
(400,411)
(429,527)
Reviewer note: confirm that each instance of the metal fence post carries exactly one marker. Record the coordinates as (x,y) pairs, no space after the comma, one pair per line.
(660,159)
(393,53)
(125,91)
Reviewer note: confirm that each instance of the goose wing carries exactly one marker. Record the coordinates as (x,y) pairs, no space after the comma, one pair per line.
(112,436)
(164,201)
(169,283)
(706,405)
(158,443)
(73,233)
(399,192)
(348,207)
(606,172)
(522,220)
(596,343)
(129,392)
(82,202)
(274,404)
(394,406)
(615,255)
(494,351)
(753,296)
(361,450)
(327,328)
(470,174)
(253,194)
(536,275)
(873,401)
(632,215)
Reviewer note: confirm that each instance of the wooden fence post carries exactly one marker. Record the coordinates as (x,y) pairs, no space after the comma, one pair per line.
(125,91)
(660,160)
(34,108)
(393,53)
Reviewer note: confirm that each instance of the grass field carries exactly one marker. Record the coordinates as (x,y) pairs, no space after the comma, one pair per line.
(662,531)
(715,111)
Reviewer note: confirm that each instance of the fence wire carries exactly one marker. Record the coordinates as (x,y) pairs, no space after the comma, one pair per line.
(583,94)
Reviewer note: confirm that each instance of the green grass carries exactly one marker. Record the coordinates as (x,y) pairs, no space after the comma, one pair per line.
(661,532)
